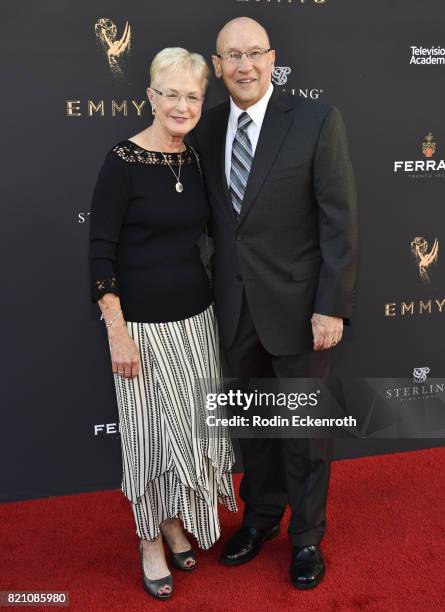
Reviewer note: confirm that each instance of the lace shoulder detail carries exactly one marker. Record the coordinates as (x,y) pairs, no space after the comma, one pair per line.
(103,286)
(132,153)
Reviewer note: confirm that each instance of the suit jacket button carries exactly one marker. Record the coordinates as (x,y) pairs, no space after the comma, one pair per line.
(238,277)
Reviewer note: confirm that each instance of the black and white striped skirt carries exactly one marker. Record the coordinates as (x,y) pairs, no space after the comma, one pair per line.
(173,464)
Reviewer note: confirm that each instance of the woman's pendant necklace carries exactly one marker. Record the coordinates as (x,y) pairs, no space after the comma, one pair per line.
(179,186)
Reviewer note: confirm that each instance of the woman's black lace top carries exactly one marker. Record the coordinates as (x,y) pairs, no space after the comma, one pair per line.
(143,235)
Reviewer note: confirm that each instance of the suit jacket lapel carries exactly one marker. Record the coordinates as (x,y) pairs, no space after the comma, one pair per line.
(273,130)
(222,165)
(217,147)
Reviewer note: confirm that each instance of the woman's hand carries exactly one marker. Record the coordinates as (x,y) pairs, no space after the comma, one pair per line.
(124,353)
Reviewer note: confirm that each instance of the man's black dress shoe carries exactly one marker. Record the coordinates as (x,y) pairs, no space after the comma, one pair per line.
(307,567)
(246,544)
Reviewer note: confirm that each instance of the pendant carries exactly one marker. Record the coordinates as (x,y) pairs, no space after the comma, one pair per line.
(179,187)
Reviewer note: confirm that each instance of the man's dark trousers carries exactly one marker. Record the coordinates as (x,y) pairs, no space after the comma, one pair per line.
(281,471)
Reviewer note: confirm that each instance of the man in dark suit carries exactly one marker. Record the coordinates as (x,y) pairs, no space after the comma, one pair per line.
(284,229)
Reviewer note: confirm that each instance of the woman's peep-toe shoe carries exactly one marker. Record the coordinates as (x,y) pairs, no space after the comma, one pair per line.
(152,587)
(179,560)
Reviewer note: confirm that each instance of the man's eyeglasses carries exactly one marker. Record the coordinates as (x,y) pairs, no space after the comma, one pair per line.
(190,100)
(235,57)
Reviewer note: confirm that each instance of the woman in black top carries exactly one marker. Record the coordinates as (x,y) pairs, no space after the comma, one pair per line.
(149,209)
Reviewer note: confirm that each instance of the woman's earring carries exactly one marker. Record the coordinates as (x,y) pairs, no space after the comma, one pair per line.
(153,110)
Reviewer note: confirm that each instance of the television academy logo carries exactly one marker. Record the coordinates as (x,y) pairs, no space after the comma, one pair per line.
(425,258)
(427,56)
(422,168)
(116,49)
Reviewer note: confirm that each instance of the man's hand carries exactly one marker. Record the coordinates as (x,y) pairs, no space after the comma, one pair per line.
(327,331)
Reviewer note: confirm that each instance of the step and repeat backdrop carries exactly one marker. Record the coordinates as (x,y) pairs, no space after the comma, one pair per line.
(74,82)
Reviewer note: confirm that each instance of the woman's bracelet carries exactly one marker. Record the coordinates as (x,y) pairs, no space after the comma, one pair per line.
(110,323)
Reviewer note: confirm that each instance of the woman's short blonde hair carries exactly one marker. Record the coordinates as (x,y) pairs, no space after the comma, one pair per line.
(176,59)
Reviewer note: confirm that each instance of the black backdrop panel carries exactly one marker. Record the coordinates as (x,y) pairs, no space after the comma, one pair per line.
(64,107)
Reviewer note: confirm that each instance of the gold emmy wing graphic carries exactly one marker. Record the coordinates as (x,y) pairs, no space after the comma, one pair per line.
(106,33)
(424,258)
(429,146)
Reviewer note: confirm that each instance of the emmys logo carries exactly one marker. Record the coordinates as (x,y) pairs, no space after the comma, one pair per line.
(429,146)
(420,374)
(280,74)
(115,49)
(424,258)
(420,168)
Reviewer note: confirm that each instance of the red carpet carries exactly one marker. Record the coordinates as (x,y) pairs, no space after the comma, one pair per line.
(385,548)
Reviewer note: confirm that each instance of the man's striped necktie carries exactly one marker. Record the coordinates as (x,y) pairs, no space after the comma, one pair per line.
(241,162)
